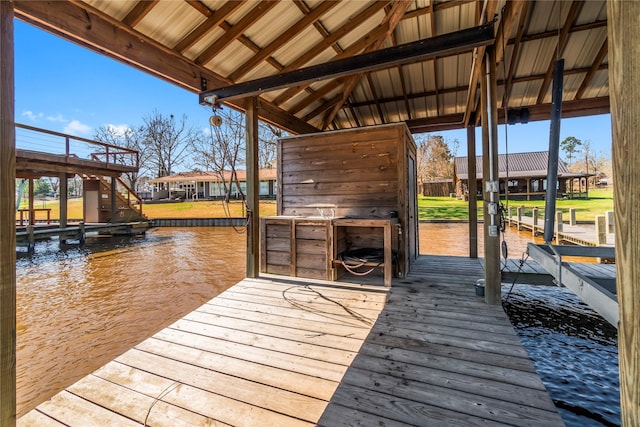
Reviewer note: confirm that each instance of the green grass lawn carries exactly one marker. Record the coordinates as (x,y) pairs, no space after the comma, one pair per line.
(443,208)
(429,208)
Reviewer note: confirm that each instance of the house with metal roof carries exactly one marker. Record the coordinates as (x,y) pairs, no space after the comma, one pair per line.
(206,185)
(522,176)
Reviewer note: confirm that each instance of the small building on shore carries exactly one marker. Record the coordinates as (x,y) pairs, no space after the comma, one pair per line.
(524,175)
(211,185)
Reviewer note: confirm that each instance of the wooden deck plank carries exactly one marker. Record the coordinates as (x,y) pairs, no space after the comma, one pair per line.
(221,408)
(296,382)
(328,337)
(259,395)
(300,322)
(473,405)
(287,351)
(292,362)
(311,350)
(36,418)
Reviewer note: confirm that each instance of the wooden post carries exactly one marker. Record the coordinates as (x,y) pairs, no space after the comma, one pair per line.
(601,230)
(113,200)
(7,220)
(488,94)
(572,216)
(624,90)
(520,211)
(534,218)
(32,216)
(559,226)
(63,199)
(253,200)
(610,222)
(473,192)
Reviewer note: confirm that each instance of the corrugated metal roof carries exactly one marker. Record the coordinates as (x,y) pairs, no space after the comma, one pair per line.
(515,165)
(226,42)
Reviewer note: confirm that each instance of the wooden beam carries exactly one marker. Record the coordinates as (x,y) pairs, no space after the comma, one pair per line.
(324,33)
(284,38)
(88,27)
(353,49)
(602,53)
(476,68)
(7,220)
(391,20)
(574,10)
(214,19)
(624,84)
(523,25)
(253,189)
(489,106)
(315,96)
(406,53)
(63,191)
(523,79)
(139,11)
(341,32)
(374,93)
(236,30)
(570,109)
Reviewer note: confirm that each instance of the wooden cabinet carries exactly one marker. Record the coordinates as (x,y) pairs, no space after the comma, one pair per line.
(297,246)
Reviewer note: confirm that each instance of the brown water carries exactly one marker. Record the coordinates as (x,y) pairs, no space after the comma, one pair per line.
(80,308)
(77,309)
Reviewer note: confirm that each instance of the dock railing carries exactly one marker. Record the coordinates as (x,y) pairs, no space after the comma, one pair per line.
(51,142)
(598,233)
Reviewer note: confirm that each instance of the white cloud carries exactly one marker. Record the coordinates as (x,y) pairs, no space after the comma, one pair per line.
(57,118)
(119,130)
(32,116)
(74,127)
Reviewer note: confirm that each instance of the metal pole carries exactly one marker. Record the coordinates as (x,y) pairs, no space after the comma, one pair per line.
(554,151)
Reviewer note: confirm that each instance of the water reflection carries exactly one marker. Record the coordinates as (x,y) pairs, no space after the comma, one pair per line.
(77,309)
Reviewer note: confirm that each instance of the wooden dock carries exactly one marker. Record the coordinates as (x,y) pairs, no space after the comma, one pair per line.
(27,236)
(286,351)
(578,234)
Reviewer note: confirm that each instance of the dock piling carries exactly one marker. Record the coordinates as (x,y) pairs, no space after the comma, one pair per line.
(601,230)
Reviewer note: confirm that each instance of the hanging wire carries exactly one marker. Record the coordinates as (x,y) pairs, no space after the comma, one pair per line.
(504,209)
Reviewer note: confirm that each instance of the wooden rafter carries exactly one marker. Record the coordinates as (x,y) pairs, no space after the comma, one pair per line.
(350,51)
(390,22)
(525,18)
(214,19)
(602,53)
(236,30)
(574,29)
(322,108)
(317,24)
(284,38)
(577,108)
(139,11)
(477,65)
(314,51)
(459,89)
(323,91)
(374,93)
(70,20)
(574,10)
(435,64)
(354,114)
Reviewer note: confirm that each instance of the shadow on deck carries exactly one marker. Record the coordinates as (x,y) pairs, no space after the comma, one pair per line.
(285,351)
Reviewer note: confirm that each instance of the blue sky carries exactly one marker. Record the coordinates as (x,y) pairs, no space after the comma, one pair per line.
(64,87)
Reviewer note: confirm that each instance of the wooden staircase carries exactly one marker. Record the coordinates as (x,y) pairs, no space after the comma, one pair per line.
(128,205)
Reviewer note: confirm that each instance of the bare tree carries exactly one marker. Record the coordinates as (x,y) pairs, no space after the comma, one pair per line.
(130,138)
(165,139)
(223,150)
